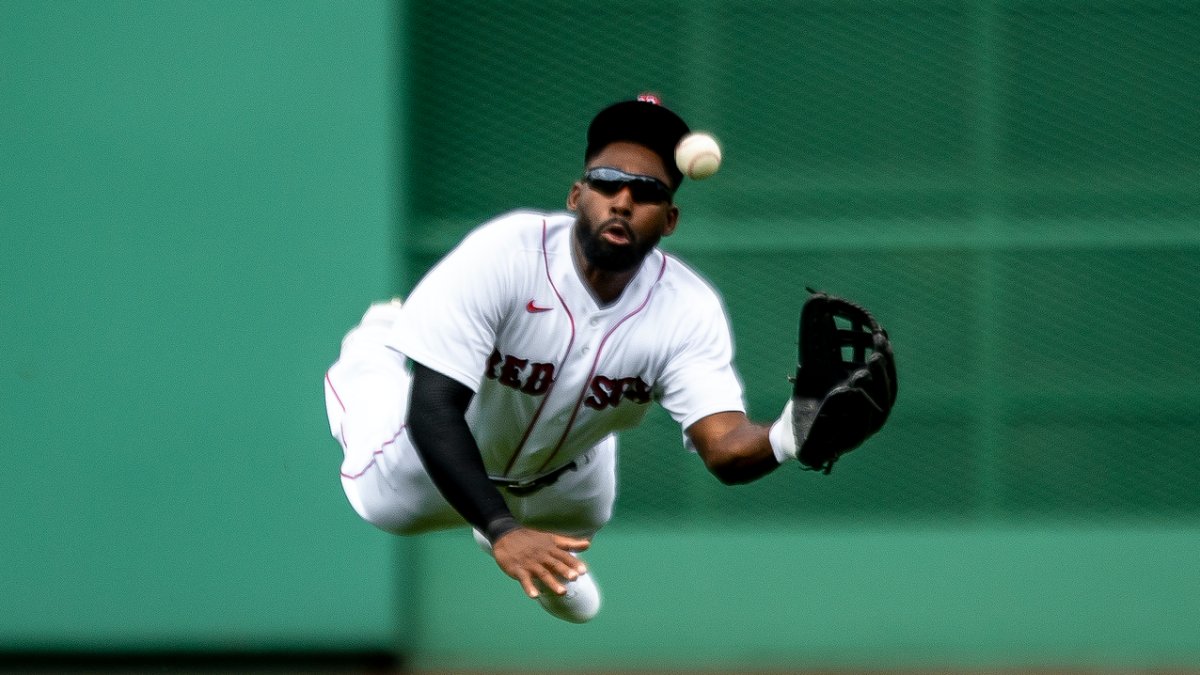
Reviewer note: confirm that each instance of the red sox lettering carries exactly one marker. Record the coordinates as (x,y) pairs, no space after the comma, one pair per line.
(607,391)
(534,378)
(530,378)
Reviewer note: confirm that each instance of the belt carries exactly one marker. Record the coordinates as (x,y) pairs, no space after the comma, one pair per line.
(521,488)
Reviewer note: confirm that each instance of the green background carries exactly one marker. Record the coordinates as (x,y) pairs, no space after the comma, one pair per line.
(198,199)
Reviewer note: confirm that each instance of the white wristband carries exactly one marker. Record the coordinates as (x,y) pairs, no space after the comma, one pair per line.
(781,436)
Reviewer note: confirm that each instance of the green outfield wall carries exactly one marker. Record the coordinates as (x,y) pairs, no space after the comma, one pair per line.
(195,200)
(198,199)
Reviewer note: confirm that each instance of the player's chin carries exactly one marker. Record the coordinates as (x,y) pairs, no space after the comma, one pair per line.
(612,258)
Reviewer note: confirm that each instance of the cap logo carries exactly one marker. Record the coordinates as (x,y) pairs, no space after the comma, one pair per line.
(650,98)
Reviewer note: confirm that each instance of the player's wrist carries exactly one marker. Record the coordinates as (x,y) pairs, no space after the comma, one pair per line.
(498,527)
(782,436)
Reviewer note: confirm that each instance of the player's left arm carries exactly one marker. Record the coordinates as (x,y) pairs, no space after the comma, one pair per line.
(733,448)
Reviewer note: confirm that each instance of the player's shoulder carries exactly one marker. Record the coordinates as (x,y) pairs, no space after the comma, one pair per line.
(509,244)
(686,283)
(689,308)
(522,227)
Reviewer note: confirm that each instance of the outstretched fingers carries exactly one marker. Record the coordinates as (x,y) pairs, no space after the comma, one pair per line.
(550,574)
(540,561)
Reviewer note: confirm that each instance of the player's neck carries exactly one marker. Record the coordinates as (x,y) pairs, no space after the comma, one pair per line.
(607,286)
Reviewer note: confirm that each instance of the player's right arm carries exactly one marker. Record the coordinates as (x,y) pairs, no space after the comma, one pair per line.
(449,329)
(438,427)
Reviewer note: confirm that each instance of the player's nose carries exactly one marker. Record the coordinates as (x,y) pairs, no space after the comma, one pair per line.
(622,202)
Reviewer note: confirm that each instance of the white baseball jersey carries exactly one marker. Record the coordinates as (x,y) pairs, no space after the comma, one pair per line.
(507,314)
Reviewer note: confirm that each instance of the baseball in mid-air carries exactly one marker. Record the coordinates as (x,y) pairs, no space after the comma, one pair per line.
(698,155)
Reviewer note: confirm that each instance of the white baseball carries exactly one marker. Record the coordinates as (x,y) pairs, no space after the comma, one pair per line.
(698,155)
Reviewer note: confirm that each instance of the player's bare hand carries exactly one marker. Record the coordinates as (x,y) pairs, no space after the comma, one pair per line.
(534,557)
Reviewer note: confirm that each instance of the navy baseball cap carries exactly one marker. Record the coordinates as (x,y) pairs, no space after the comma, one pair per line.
(645,121)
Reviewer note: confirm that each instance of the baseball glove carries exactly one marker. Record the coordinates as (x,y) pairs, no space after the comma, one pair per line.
(845,382)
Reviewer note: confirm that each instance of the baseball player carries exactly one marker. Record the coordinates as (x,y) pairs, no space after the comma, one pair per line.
(491,397)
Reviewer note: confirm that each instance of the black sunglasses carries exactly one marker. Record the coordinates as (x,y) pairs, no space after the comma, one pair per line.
(643,189)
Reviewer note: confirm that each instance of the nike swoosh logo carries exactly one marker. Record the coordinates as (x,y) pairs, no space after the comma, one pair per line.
(534,309)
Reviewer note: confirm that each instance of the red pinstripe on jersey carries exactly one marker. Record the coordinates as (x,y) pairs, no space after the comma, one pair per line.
(596,362)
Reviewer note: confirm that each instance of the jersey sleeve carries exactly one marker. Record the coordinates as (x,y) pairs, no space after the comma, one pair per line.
(699,379)
(450,320)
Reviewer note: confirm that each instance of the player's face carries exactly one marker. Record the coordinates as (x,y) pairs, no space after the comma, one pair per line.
(618,221)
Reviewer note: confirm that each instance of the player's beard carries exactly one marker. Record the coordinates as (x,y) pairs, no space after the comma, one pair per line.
(609,257)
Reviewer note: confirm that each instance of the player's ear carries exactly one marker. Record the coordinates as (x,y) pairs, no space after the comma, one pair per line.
(573,196)
(672,220)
